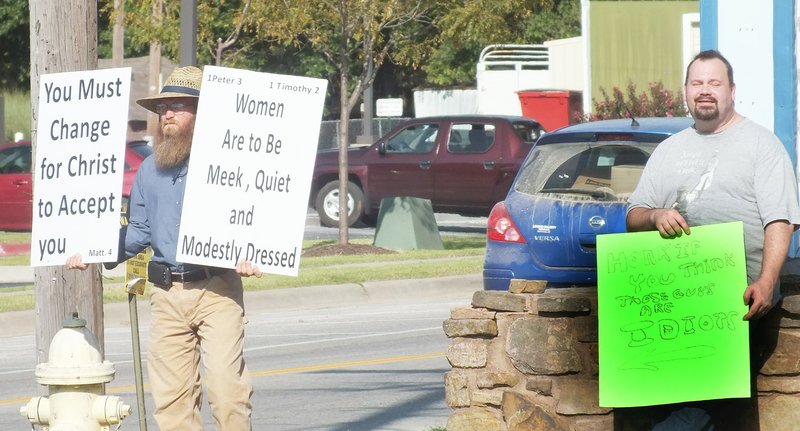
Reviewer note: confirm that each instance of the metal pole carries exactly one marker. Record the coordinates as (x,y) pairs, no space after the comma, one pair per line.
(137,351)
(188,42)
(369,111)
(369,103)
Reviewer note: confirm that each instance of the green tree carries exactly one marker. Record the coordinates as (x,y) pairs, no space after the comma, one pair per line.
(560,20)
(15,39)
(105,26)
(218,22)
(466,27)
(354,38)
(443,50)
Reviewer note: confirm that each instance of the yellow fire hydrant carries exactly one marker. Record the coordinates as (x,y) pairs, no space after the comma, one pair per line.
(76,375)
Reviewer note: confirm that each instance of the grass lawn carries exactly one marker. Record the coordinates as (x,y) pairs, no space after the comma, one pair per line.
(461,255)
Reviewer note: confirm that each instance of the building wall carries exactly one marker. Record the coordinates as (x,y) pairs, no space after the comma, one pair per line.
(555,65)
(429,102)
(502,70)
(758,38)
(637,41)
(566,63)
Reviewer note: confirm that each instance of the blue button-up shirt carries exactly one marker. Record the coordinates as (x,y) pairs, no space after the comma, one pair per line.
(155,212)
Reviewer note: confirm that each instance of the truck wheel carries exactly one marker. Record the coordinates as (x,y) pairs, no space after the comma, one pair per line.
(327,204)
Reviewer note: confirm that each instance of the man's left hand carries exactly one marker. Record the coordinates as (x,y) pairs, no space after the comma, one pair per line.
(759,297)
(76,262)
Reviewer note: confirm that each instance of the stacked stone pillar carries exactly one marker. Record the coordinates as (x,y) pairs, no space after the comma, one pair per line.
(527,359)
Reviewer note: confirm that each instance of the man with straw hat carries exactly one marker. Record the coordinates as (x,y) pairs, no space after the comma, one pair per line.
(197,311)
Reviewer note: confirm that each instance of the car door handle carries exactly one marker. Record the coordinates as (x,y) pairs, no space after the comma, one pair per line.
(488,165)
(21,182)
(425,164)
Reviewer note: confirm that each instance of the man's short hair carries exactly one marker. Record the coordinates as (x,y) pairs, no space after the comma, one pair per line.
(708,55)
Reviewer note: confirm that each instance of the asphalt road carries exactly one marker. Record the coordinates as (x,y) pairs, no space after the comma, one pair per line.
(368,366)
(377,364)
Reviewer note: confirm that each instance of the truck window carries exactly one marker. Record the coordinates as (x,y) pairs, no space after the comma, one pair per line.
(418,138)
(470,137)
(528,132)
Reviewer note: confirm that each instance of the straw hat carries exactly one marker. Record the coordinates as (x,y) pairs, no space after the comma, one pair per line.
(183,82)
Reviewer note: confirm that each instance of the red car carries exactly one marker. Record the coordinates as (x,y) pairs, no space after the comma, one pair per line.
(16,185)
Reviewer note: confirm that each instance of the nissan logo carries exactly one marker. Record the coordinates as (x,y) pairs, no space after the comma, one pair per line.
(597,222)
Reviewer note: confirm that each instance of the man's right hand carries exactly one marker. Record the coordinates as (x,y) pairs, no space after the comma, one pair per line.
(668,221)
(76,262)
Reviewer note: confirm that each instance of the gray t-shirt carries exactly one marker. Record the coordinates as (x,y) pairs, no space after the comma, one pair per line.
(740,174)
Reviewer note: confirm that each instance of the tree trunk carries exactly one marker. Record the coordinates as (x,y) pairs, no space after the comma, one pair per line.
(154,83)
(118,41)
(63,37)
(344,126)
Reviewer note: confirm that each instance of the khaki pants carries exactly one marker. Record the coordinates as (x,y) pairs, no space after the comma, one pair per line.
(190,321)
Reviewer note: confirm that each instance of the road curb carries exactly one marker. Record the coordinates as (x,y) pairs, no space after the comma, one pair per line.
(327,296)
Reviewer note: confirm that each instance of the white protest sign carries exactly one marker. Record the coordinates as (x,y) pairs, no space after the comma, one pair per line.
(255,140)
(80,158)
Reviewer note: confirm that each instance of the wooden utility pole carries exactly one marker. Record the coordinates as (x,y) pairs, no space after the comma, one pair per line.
(63,37)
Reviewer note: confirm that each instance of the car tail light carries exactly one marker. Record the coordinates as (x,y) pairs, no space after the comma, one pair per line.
(501,227)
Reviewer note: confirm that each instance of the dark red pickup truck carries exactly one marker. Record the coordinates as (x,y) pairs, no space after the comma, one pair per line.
(462,164)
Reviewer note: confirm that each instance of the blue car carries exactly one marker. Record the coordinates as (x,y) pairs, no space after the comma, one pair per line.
(573,185)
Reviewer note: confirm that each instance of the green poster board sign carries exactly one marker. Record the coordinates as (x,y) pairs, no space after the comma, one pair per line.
(670,317)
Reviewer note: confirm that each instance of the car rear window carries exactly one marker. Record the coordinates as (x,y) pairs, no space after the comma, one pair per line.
(606,171)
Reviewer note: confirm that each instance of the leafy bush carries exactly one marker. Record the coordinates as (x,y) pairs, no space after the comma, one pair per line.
(657,102)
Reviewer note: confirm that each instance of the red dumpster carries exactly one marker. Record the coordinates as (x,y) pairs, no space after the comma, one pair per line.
(553,109)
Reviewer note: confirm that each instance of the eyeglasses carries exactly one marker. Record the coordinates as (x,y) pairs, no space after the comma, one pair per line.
(175,107)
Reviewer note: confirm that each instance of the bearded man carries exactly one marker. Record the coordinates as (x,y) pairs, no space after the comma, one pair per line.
(197,311)
(725,168)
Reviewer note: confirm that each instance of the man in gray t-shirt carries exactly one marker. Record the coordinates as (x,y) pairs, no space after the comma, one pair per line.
(726,168)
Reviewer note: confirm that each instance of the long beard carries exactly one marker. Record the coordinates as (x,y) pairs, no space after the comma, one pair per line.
(172,148)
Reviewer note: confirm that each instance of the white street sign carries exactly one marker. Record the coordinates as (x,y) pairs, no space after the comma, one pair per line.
(389,107)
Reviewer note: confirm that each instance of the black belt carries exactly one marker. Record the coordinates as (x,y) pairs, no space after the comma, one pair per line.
(196,274)
(163,276)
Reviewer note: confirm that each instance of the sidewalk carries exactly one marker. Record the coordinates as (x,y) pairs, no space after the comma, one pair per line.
(23,274)
(117,314)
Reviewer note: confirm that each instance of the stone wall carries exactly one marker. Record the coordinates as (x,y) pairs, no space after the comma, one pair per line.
(527,359)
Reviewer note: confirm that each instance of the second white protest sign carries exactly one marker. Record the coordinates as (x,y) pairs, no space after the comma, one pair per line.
(249,176)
